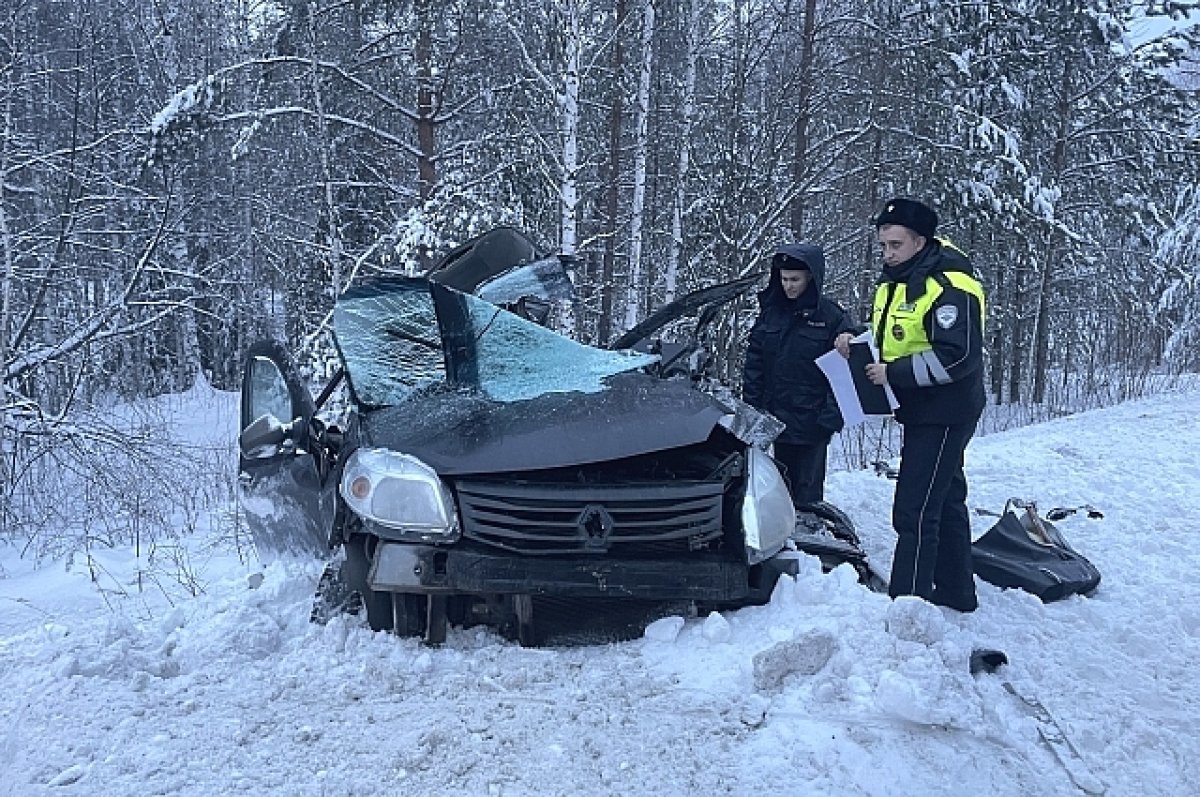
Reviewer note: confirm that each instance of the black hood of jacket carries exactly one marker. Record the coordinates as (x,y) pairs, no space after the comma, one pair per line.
(811,257)
(937,256)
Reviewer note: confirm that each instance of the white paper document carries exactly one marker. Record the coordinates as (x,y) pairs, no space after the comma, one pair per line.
(857,397)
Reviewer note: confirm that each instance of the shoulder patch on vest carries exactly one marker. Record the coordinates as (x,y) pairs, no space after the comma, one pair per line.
(946,315)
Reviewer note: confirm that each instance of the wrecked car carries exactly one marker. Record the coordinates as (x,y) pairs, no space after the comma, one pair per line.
(484,461)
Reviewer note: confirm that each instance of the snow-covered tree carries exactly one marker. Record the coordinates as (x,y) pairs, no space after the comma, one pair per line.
(1178,250)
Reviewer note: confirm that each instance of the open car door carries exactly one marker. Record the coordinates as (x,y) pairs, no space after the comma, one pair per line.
(283,485)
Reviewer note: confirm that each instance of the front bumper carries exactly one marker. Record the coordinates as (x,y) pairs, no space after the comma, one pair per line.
(426,569)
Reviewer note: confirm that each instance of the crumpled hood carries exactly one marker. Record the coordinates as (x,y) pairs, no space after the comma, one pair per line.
(458,433)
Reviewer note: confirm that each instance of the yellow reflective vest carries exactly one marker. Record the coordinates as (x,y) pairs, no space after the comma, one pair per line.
(899,325)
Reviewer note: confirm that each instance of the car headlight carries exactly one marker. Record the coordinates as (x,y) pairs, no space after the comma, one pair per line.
(768,516)
(399,492)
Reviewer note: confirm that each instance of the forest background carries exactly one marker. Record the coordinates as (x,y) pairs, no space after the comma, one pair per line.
(179,178)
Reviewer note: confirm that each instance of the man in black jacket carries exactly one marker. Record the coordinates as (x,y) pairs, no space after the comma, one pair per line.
(796,324)
(927,321)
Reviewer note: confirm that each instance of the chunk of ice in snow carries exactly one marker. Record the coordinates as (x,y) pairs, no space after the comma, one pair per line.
(716,628)
(665,629)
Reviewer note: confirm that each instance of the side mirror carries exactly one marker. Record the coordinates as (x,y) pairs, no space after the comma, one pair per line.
(263,437)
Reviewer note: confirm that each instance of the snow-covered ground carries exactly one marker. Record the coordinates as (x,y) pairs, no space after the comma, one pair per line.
(111,689)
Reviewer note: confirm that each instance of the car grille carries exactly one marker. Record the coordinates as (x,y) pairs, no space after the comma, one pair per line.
(638,519)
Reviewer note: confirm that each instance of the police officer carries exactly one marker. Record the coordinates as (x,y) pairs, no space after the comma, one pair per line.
(796,324)
(927,320)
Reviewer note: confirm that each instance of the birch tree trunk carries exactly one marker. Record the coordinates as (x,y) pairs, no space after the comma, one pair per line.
(568,100)
(6,286)
(188,351)
(636,285)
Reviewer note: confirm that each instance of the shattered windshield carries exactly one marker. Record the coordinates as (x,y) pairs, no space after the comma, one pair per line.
(388,335)
(517,359)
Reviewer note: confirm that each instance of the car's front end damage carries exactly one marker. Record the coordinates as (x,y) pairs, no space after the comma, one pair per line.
(517,478)
(638,491)
(487,462)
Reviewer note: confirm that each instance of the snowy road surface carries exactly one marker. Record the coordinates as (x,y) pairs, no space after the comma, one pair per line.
(829,690)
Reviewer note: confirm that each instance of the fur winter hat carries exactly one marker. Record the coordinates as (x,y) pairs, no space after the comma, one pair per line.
(916,216)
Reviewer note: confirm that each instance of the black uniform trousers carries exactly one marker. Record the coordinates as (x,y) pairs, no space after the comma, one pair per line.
(929,513)
(805,466)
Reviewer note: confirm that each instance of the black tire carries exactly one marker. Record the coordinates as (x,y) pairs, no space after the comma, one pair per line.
(333,597)
(378,605)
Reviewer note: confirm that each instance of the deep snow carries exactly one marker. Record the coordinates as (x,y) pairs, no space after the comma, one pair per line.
(106,689)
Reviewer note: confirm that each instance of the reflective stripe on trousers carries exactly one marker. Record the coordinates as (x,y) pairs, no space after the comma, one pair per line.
(929,514)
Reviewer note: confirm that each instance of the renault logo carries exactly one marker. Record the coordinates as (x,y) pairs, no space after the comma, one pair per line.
(595,525)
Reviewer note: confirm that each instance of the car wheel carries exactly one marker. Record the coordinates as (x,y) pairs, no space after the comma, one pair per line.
(378,605)
(333,596)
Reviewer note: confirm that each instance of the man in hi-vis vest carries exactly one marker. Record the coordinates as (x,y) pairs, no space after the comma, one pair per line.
(927,321)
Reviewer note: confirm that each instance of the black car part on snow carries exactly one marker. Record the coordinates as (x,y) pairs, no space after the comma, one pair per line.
(1026,552)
